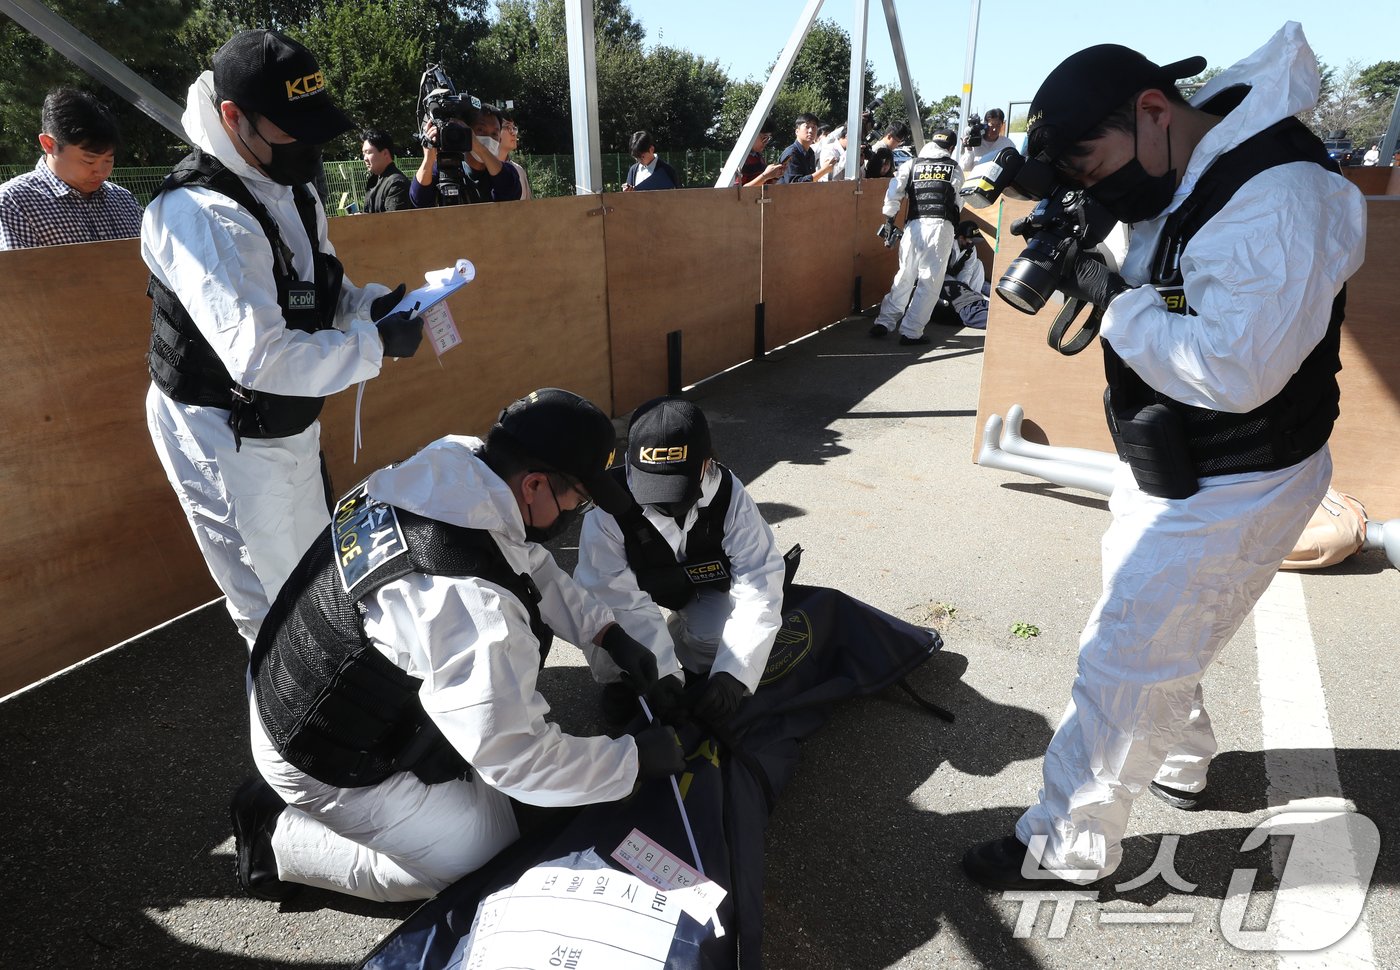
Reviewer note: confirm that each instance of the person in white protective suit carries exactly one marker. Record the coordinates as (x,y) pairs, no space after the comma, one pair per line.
(1222,412)
(695,543)
(253,321)
(394,709)
(931,181)
(965,284)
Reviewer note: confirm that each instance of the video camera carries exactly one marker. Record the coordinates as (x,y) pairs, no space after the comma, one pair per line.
(439,103)
(976,129)
(1064,221)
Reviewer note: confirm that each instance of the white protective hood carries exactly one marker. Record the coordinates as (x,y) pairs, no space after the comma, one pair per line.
(447,481)
(205,129)
(1282,80)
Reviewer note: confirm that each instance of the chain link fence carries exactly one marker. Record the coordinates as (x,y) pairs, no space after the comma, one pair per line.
(550,175)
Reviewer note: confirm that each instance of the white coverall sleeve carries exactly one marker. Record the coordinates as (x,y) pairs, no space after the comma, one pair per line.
(471,644)
(1261,276)
(570,610)
(899,185)
(756,591)
(215,257)
(603,570)
(355,301)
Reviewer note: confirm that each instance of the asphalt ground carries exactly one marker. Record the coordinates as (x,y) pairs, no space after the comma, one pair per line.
(115,775)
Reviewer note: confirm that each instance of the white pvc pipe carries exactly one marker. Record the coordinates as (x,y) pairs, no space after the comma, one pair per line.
(1067,473)
(1012,443)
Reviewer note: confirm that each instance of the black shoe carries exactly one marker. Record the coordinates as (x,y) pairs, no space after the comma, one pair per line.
(912,341)
(255,808)
(997,865)
(878,331)
(618,703)
(1187,801)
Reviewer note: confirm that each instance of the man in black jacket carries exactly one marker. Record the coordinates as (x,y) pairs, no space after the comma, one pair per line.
(387,187)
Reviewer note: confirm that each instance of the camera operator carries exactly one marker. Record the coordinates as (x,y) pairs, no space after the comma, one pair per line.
(931,180)
(982,144)
(1220,341)
(476,173)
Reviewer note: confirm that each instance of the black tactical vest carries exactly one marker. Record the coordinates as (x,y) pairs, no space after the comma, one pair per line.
(181,361)
(1297,421)
(333,705)
(671,583)
(931,192)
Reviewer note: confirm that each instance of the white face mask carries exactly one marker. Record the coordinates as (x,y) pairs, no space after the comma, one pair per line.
(492,145)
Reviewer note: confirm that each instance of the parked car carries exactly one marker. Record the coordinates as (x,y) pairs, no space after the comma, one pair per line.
(1341,151)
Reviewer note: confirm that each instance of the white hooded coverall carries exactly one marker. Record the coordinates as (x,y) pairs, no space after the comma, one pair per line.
(923,255)
(255,509)
(470,642)
(721,631)
(1181,576)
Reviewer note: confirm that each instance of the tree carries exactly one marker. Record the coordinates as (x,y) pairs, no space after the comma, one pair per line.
(142,38)
(1349,105)
(740,98)
(944,113)
(822,69)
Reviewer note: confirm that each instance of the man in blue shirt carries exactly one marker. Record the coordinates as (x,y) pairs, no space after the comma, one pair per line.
(67,198)
(799,161)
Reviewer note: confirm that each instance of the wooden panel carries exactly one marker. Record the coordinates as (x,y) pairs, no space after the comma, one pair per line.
(1374,180)
(535,316)
(96,548)
(875,265)
(808,257)
(686,261)
(1062,396)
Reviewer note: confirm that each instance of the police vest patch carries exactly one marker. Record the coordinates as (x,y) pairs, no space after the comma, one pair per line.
(365,535)
(706,572)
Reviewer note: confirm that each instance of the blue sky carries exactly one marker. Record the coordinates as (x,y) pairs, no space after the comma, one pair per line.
(1020,41)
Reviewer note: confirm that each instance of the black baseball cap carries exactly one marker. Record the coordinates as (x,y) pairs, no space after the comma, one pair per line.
(945,138)
(269,73)
(969,229)
(1087,87)
(668,443)
(566,433)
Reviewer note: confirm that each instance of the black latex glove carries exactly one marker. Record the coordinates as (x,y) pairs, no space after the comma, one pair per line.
(659,753)
(1089,279)
(721,699)
(637,662)
(383,304)
(401,332)
(667,698)
(889,232)
(953,289)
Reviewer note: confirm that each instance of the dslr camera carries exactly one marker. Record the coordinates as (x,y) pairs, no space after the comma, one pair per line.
(1065,221)
(976,129)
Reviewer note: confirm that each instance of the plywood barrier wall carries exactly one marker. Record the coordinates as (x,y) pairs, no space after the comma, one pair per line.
(875,265)
(98,550)
(1062,396)
(808,257)
(686,261)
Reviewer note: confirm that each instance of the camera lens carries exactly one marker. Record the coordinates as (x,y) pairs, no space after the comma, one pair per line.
(1031,278)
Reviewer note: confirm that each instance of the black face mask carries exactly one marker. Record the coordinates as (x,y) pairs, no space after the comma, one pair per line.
(293,163)
(1132,195)
(561,523)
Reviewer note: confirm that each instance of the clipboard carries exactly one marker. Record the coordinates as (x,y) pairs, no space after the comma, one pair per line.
(439,284)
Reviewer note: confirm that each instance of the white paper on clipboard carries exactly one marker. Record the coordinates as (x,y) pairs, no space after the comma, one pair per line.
(439,285)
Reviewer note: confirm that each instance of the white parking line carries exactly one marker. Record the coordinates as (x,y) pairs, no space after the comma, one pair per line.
(1299,755)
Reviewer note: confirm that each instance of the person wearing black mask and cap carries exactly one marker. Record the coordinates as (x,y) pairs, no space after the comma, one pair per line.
(394,712)
(254,321)
(694,543)
(1220,341)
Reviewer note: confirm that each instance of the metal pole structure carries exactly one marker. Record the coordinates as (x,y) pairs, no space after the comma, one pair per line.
(583,97)
(768,95)
(901,65)
(969,61)
(1388,143)
(89,56)
(855,106)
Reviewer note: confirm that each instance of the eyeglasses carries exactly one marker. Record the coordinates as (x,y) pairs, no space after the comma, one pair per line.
(585,503)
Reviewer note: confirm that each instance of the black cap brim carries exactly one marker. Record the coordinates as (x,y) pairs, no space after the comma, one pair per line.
(650,488)
(607,494)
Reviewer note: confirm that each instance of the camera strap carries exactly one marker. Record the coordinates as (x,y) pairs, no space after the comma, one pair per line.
(1083,337)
